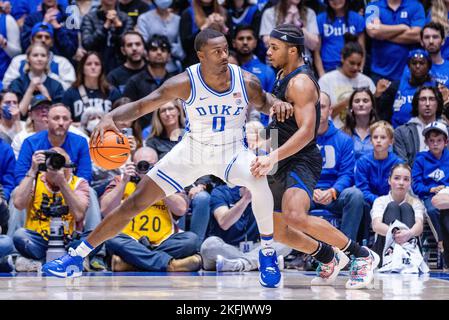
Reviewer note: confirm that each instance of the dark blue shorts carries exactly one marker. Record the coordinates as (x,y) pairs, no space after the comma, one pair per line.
(300,171)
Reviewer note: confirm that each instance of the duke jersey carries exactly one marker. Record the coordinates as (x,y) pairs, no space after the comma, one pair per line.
(212,117)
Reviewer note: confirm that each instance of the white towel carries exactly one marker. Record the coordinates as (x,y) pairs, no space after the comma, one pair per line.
(405,258)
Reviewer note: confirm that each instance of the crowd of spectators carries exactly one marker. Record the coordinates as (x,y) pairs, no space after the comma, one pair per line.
(383,132)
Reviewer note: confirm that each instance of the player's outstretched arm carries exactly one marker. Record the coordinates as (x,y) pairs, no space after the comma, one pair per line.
(173,88)
(263,101)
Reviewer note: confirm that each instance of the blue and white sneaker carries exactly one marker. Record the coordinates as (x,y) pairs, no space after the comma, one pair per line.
(68,266)
(270,275)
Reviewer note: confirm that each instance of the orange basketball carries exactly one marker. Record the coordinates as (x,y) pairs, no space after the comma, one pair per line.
(112,153)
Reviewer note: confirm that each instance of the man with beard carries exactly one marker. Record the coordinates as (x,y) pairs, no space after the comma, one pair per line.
(153,76)
(245,42)
(132,47)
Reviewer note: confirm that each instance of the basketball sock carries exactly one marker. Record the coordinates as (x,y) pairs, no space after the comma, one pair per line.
(324,253)
(266,242)
(83,249)
(353,248)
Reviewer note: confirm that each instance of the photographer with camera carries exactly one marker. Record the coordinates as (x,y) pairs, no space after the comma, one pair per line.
(59,120)
(151,241)
(55,201)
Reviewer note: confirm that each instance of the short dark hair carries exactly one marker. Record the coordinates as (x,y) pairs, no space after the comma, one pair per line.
(351,46)
(131,32)
(204,36)
(292,30)
(438,95)
(436,26)
(243,27)
(59,104)
(158,41)
(5,92)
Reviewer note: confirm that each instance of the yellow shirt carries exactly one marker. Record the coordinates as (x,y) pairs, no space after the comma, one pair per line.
(36,220)
(155,222)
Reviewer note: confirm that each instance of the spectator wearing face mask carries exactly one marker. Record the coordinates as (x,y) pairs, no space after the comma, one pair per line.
(164,22)
(89,120)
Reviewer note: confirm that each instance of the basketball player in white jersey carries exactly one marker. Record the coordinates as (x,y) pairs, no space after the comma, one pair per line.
(216,97)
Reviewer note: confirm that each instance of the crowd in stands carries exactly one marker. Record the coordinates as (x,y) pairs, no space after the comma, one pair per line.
(383,71)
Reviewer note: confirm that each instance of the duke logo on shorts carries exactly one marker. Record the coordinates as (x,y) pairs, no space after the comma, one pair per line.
(215,134)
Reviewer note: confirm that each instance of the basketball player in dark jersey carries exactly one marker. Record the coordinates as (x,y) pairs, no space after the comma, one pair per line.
(299,164)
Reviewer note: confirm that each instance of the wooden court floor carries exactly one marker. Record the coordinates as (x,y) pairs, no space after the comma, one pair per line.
(215,286)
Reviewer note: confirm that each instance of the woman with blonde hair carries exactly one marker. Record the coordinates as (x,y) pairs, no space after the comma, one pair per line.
(36,79)
(167,128)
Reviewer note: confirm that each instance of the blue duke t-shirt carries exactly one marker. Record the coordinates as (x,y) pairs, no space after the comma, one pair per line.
(388,59)
(332,36)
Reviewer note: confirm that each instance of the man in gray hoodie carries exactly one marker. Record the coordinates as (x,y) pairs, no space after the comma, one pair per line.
(427,106)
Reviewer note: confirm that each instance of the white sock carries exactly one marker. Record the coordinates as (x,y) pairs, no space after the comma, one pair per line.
(83,249)
(266,242)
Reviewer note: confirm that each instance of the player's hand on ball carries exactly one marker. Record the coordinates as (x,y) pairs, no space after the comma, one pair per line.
(105,124)
(261,166)
(282,110)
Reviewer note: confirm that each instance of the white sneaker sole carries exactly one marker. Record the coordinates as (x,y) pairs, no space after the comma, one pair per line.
(66,274)
(343,261)
(369,284)
(267,286)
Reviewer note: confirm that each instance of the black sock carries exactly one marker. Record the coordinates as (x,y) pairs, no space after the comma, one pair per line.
(324,253)
(353,248)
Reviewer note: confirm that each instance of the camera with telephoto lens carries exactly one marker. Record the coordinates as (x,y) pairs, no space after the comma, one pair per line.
(56,240)
(53,160)
(142,167)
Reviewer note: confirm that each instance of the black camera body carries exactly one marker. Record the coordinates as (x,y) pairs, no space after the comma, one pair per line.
(53,160)
(142,167)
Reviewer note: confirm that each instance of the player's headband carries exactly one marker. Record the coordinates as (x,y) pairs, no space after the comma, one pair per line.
(287,38)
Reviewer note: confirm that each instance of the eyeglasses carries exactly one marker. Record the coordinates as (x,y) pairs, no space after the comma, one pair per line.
(168,109)
(425,99)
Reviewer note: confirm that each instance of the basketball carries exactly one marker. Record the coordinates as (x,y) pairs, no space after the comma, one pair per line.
(112,153)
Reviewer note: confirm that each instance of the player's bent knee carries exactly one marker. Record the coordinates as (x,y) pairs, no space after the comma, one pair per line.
(297,219)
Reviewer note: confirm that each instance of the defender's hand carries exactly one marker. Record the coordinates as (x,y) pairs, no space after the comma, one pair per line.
(105,124)
(282,110)
(261,166)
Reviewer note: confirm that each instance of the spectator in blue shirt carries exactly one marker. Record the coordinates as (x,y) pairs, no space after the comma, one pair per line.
(393,26)
(57,135)
(9,40)
(333,24)
(430,174)
(432,38)
(22,8)
(361,114)
(244,43)
(334,190)
(373,169)
(65,39)
(419,63)
(7,184)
